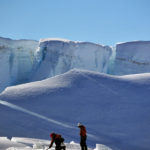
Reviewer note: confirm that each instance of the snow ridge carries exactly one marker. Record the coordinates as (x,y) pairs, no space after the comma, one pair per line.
(114,109)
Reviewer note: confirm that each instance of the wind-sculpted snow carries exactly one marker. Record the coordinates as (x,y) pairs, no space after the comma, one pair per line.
(115,110)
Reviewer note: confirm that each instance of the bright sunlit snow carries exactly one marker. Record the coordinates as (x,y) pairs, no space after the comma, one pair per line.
(19,143)
(114,109)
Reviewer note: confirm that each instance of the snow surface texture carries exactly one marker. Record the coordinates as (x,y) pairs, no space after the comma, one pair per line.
(6,143)
(17,143)
(16,59)
(132,58)
(115,110)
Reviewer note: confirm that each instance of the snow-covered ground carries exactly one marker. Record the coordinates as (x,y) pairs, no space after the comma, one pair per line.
(114,109)
(18,143)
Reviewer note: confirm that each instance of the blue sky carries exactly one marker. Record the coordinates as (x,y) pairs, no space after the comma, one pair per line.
(101,21)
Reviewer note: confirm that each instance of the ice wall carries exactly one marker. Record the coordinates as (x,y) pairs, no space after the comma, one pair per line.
(16,59)
(132,57)
(56,56)
(24,61)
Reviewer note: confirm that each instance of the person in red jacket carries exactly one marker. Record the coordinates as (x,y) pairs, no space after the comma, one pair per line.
(83,136)
(58,141)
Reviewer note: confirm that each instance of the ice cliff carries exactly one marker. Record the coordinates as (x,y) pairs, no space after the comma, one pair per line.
(132,58)
(24,61)
(55,57)
(16,60)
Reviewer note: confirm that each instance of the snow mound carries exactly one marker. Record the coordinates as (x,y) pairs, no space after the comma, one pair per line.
(102,147)
(69,80)
(114,109)
(6,143)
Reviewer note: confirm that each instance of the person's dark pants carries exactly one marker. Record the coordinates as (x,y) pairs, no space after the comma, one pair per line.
(58,145)
(83,143)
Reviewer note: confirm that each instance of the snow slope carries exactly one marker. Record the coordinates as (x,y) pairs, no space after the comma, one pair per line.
(115,110)
(132,57)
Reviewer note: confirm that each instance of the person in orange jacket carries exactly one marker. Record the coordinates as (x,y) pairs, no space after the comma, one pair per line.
(83,136)
(58,141)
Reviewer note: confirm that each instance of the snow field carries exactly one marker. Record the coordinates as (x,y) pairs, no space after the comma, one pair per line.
(114,109)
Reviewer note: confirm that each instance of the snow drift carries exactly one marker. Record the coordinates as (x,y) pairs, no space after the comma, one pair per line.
(115,110)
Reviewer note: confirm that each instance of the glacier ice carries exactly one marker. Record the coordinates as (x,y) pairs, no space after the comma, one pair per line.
(54,57)
(132,58)
(16,59)
(24,61)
